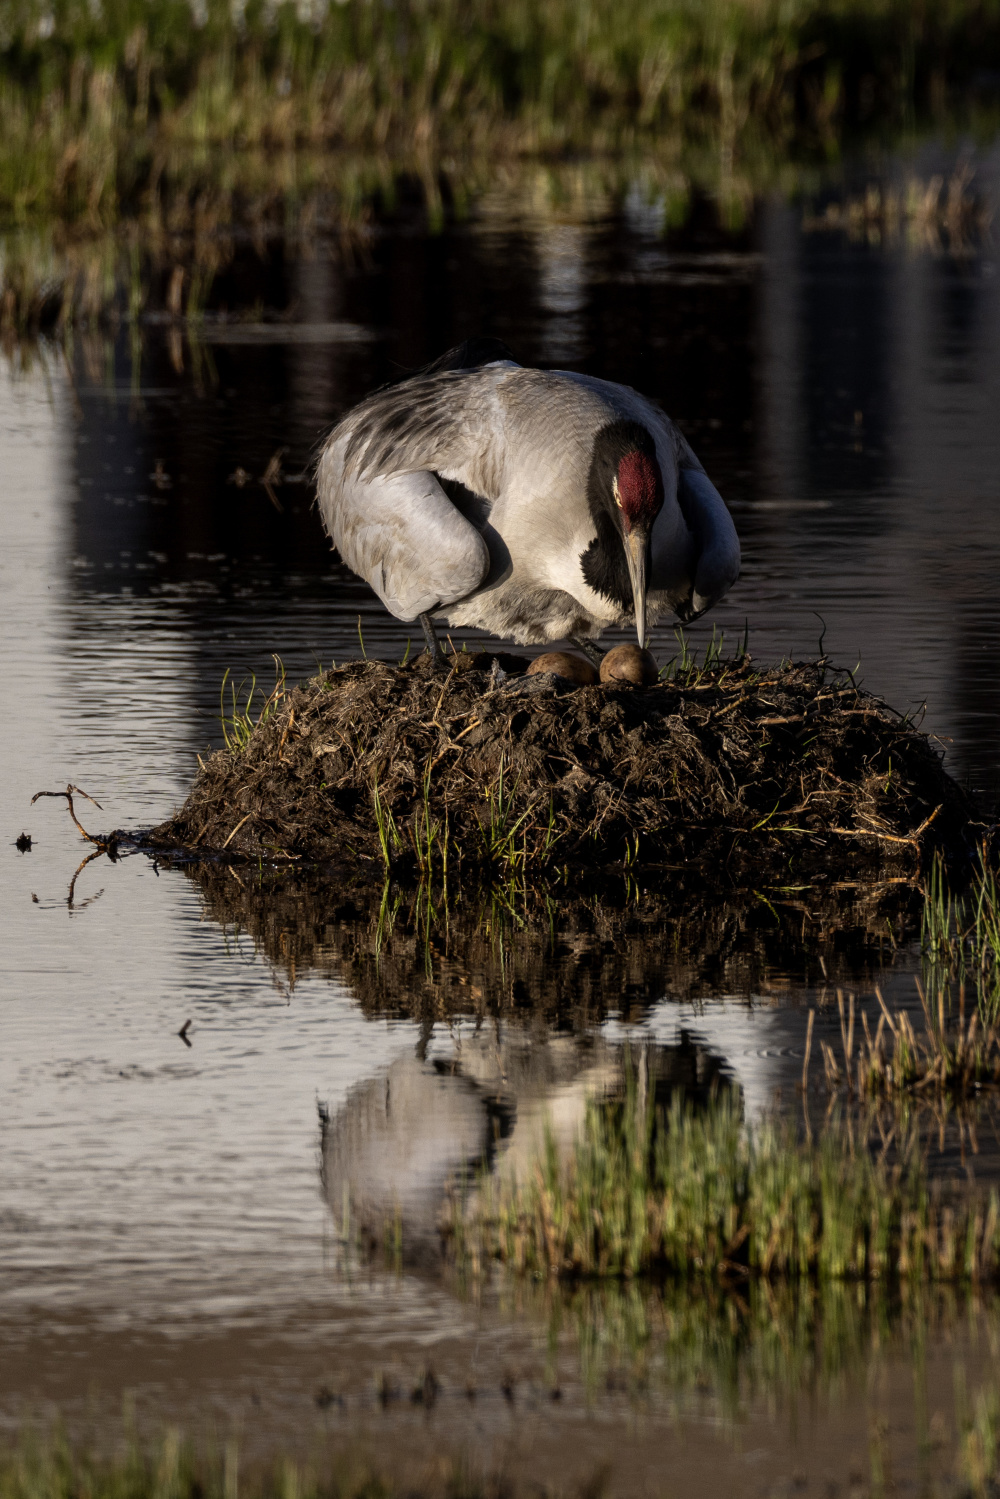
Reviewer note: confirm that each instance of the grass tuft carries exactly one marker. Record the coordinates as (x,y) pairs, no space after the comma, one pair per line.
(951,1055)
(239,723)
(47,1467)
(696,1194)
(960,936)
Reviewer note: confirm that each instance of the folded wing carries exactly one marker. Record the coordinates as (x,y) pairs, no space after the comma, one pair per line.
(403,535)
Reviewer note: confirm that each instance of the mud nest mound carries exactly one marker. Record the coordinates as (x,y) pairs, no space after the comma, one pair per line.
(474,770)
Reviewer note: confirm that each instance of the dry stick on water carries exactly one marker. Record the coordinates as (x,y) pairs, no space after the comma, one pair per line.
(101,845)
(69,793)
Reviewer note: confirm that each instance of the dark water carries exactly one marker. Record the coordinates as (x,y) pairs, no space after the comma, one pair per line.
(169,1214)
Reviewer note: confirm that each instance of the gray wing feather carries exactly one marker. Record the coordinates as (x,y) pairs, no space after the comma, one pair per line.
(402,534)
(439,422)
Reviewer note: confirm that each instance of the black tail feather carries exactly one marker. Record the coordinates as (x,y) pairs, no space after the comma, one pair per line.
(470,354)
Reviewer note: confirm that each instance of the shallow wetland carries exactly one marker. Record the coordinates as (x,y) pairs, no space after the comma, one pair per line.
(244,1080)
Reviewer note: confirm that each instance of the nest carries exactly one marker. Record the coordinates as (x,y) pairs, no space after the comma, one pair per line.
(473,769)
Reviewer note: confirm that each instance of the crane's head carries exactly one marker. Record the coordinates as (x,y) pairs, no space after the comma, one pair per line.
(625,492)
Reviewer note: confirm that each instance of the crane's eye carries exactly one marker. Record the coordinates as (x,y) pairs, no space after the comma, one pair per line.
(614,491)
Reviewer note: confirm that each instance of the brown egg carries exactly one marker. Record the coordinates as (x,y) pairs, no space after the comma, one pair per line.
(627,663)
(573,668)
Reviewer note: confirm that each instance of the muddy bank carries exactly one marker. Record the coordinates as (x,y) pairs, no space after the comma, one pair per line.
(476,770)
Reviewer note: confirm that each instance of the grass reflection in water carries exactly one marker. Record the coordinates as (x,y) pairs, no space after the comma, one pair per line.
(764,1341)
(706,1352)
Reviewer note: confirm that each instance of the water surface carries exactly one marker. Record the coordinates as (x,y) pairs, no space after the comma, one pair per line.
(167,1220)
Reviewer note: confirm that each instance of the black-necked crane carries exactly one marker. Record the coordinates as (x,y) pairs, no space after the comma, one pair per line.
(539,505)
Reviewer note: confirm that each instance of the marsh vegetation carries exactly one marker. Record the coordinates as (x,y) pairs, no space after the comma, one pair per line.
(135,140)
(694,1193)
(421,774)
(99,103)
(48,1467)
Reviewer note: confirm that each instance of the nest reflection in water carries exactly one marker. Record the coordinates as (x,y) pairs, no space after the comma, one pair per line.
(569,959)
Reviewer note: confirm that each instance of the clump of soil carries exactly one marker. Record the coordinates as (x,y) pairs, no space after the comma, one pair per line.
(473,770)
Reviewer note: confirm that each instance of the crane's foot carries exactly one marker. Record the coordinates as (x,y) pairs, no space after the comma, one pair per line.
(593,652)
(430,635)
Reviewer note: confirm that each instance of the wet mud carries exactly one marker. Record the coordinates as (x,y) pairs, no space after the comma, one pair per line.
(468,769)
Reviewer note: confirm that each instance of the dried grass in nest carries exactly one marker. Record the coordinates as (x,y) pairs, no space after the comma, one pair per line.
(746,773)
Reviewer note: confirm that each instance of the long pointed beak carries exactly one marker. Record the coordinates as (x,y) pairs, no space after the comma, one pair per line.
(636,553)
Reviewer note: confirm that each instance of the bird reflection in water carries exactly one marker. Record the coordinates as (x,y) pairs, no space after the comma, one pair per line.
(405,1139)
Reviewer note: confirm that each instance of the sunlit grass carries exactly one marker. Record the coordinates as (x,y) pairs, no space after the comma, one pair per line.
(696,1193)
(239,719)
(46,1466)
(98,102)
(960,936)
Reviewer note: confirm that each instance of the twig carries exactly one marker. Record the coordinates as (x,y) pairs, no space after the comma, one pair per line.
(440,700)
(288,730)
(843,1029)
(272,476)
(236,829)
(885,1012)
(80,868)
(69,793)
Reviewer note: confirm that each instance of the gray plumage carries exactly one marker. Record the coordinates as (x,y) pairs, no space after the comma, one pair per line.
(463,494)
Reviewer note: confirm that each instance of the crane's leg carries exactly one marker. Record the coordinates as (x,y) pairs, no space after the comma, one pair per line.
(594,653)
(433,644)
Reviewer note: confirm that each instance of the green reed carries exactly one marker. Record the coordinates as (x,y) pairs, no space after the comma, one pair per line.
(696,1194)
(389,838)
(238,720)
(776,1341)
(96,101)
(510,841)
(46,1466)
(960,936)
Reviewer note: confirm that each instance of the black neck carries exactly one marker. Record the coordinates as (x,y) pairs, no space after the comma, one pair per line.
(603,563)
